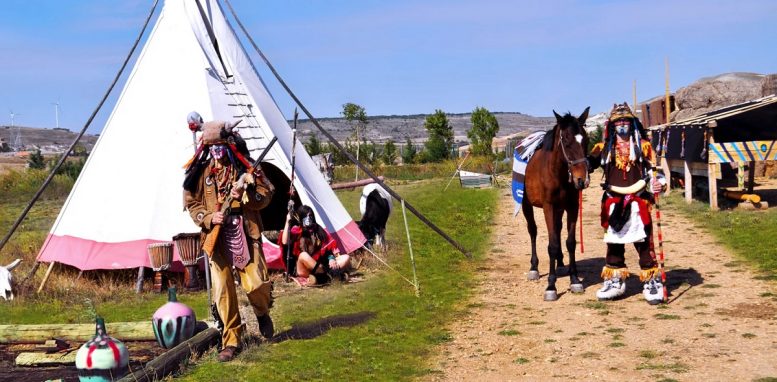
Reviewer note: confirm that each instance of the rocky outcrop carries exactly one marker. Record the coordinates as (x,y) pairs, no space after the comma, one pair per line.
(710,93)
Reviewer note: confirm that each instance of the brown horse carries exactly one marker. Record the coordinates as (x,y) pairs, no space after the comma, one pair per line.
(555,174)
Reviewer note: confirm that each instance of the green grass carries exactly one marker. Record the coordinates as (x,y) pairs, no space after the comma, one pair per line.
(676,367)
(744,232)
(508,332)
(521,361)
(663,316)
(398,332)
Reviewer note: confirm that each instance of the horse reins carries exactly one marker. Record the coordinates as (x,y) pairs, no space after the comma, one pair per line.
(571,163)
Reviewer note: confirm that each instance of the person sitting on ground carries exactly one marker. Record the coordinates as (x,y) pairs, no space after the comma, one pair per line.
(315,250)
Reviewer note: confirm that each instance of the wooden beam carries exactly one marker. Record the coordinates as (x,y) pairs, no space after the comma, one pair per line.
(169,361)
(363,182)
(125,331)
(688,182)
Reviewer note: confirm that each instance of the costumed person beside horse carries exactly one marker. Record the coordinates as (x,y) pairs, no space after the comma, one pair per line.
(224,199)
(627,159)
(316,252)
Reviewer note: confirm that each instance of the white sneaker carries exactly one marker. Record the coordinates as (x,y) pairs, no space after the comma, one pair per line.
(653,291)
(612,288)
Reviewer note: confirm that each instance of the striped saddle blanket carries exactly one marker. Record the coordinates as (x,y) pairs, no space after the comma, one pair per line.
(521,155)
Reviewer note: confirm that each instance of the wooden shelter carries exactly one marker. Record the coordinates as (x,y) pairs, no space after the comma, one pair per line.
(740,134)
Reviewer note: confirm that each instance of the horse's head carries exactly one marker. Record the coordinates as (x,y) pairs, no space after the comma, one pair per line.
(571,137)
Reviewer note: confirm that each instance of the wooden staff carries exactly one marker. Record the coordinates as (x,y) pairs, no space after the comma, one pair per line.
(287,274)
(580,221)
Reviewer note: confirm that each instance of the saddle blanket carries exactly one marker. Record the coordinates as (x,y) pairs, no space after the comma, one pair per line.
(521,155)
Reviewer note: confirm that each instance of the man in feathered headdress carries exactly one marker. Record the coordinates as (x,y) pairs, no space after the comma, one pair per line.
(627,158)
(217,173)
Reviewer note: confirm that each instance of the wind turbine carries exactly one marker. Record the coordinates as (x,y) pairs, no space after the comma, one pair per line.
(56,111)
(17,142)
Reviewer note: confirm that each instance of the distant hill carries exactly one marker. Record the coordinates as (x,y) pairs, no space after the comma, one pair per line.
(399,127)
(48,140)
(379,129)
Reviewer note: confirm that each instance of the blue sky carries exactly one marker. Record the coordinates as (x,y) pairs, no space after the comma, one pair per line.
(402,57)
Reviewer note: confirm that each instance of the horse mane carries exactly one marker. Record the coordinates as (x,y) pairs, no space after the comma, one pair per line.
(567,120)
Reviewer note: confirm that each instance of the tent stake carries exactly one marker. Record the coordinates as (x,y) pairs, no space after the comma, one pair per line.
(46,276)
(340,147)
(410,247)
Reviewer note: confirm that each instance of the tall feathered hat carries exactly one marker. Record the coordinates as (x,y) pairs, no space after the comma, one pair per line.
(621,111)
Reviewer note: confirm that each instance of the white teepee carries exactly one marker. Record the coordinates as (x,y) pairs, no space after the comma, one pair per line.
(129,192)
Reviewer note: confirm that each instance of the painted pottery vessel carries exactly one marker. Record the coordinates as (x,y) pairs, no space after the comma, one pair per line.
(173,322)
(103,358)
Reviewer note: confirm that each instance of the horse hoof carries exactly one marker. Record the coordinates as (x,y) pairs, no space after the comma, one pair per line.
(533,275)
(551,295)
(576,288)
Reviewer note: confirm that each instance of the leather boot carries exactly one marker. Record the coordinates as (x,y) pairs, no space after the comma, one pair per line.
(227,354)
(266,327)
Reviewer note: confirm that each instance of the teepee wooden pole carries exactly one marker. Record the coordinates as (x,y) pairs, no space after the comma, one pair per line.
(340,147)
(46,276)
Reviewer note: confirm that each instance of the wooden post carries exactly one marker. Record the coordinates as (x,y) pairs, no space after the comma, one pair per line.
(711,173)
(688,182)
(751,178)
(139,281)
(46,276)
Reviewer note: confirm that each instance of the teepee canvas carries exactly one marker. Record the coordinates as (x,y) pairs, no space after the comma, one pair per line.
(129,193)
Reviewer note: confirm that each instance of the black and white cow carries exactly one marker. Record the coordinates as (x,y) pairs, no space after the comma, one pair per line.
(375,206)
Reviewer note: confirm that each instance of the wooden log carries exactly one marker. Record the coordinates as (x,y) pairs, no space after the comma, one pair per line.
(46,359)
(169,361)
(741,196)
(363,182)
(52,346)
(125,331)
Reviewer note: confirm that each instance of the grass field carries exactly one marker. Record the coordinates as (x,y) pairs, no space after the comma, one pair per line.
(751,235)
(373,330)
(378,329)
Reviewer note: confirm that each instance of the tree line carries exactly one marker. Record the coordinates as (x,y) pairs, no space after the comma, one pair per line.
(438,147)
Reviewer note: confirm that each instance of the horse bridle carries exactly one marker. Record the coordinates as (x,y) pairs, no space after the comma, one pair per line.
(571,163)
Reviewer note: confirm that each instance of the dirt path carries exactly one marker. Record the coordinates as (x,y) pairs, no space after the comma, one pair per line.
(721,323)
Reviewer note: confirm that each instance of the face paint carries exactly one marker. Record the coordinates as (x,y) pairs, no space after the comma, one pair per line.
(622,128)
(218,151)
(307,221)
